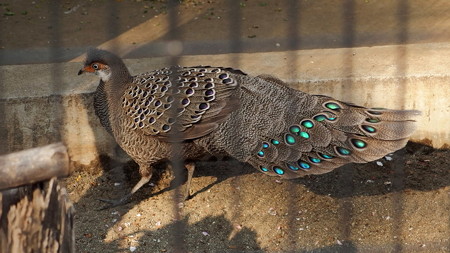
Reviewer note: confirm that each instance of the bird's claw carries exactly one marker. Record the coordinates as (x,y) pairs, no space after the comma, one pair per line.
(115,202)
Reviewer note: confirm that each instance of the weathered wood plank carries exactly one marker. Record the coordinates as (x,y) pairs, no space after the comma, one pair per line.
(36,218)
(33,165)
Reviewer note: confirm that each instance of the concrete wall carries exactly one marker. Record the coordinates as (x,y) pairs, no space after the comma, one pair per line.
(45,103)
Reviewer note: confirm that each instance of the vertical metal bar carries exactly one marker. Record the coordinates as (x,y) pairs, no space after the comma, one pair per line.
(112,24)
(179,228)
(398,183)
(346,177)
(3,134)
(56,70)
(294,13)
(236,47)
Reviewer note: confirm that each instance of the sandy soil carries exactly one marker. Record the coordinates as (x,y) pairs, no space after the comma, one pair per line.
(403,205)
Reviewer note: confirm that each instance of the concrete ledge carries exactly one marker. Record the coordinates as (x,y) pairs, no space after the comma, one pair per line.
(44,103)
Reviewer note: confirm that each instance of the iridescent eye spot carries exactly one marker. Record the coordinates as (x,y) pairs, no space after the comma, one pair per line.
(263,169)
(315,160)
(203,106)
(274,142)
(260,153)
(289,139)
(294,129)
(304,135)
(372,120)
(325,156)
(189,91)
(358,143)
(375,112)
(320,118)
(343,151)
(185,101)
(332,106)
(226,81)
(278,170)
(331,118)
(304,165)
(165,127)
(369,129)
(265,145)
(223,76)
(293,167)
(307,124)
(209,92)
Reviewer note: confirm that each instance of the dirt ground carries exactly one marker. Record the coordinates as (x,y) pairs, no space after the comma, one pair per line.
(403,205)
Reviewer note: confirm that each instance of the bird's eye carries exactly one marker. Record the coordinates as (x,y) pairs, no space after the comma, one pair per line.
(95,66)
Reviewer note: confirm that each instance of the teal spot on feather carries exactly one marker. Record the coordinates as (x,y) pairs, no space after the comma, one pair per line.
(332,106)
(304,165)
(293,167)
(304,135)
(372,120)
(369,129)
(307,124)
(289,139)
(343,151)
(375,112)
(275,142)
(265,145)
(320,118)
(263,169)
(294,129)
(326,156)
(358,143)
(278,170)
(261,153)
(315,160)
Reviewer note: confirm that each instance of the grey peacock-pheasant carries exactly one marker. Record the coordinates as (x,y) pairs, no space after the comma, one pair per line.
(222,111)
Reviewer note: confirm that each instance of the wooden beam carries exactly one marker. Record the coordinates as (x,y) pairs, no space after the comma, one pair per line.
(33,165)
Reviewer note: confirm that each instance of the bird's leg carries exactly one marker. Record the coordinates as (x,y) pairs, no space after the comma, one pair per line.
(184,184)
(146,175)
(190,167)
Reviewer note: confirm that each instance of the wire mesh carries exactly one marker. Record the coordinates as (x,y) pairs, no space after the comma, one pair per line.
(235,44)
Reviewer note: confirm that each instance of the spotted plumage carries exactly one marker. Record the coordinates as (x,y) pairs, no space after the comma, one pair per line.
(222,111)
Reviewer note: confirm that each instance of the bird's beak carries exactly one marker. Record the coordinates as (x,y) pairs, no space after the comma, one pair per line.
(81,71)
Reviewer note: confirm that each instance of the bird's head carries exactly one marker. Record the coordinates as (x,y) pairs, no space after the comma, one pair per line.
(98,68)
(103,64)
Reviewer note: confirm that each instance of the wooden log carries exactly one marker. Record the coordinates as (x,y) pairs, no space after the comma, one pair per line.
(36,218)
(33,165)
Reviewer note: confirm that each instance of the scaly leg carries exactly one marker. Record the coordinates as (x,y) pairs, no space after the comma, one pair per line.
(146,175)
(183,184)
(190,167)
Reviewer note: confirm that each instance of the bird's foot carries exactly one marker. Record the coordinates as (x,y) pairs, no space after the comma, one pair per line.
(115,202)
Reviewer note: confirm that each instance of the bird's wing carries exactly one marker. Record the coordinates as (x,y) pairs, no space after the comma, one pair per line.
(192,100)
